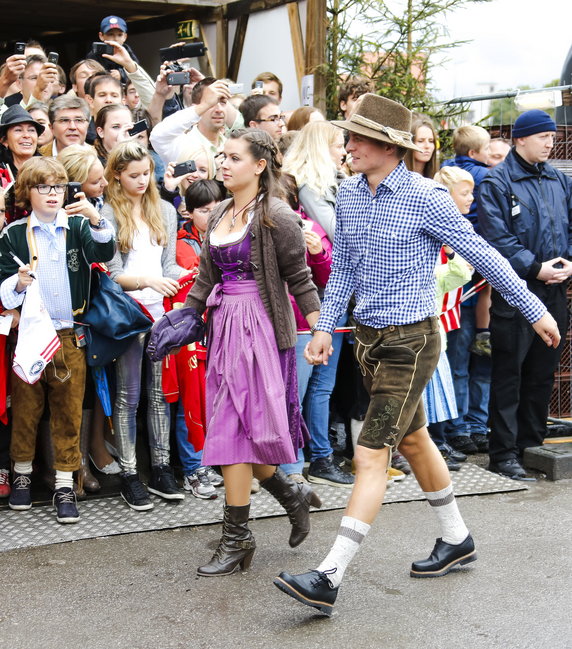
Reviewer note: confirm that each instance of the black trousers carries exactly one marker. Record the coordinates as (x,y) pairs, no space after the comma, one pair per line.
(522,374)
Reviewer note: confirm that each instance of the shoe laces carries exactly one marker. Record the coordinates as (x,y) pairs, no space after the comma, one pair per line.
(64,497)
(322,576)
(4,477)
(203,478)
(137,488)
(23,481)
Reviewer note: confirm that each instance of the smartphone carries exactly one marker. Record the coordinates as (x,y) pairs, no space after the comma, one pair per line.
(73,189)
(186,51)
(138,127)
(236,88)
(53,57)
(19,48)
(306,225)
(102,48)
(258,88)
(184,168)
(178,78)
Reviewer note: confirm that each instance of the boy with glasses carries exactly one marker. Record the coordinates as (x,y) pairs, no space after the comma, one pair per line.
(55,250)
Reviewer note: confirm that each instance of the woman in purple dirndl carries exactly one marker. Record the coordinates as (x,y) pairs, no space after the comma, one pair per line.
(254,248)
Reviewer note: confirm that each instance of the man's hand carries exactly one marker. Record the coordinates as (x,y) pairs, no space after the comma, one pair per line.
(162,88)
(13,70)
(547,329)
(47,78)
(121,57)
(24,278)
(551,275)
(319,349)
(212,95)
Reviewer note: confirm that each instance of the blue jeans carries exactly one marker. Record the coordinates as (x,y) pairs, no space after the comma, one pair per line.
(190,459)
(128,372)
(471,378)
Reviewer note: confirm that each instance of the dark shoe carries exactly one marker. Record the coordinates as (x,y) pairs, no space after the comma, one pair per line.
(296,498)
(444,557)
(451,464)
(134,493)
(400,463)
(86,479)
(510,468)
(455,455)
(311,588)
(20,497)
(481,442)
(66,505)
(236,546)
(163,483)
(324,471)
(464,444)
(482,344)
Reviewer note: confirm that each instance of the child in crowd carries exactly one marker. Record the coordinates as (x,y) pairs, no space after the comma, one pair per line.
(201,198)
(55,250)
(452,273)
(144,266)
(113,28)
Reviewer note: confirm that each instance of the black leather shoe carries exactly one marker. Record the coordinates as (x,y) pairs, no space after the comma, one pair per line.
(444,557)
(464,444)
(481,442)
(311,588)
(455,455)
(510,468)
(451,464)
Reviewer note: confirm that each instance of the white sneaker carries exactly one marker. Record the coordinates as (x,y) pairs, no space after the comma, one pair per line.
(199,485)
(215,478)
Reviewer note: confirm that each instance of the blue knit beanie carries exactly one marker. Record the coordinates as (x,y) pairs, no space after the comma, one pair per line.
(531,122)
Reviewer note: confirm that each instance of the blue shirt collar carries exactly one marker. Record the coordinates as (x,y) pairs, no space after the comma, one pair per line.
(391,182)
(61,221)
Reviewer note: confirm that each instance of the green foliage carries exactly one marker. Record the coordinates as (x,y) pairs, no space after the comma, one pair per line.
(395,44)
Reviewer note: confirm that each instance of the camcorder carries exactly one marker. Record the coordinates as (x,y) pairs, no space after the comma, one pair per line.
(186,51)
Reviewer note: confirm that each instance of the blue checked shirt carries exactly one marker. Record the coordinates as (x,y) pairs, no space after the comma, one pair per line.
(51,271)
(386,247)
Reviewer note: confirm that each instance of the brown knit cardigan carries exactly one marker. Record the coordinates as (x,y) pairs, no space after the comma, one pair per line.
(278,260)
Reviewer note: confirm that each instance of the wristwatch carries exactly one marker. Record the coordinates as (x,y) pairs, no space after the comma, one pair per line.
(98,225)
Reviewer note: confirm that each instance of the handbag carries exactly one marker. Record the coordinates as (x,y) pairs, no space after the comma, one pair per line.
(113,318)
(176,328)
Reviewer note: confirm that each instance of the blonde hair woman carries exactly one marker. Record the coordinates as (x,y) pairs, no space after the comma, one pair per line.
(144,265)
(83,166)
(314,159)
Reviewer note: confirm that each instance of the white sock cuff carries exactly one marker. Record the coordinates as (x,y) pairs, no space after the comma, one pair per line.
(441,494)
(64,479)
(23,467)
(355,525)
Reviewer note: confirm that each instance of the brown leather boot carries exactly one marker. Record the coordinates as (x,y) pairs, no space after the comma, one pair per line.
(296,498)
(236,546)
(85,479)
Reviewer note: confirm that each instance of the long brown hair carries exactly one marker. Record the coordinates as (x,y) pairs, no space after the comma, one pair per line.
(432,165)
(100,122)
(262,147)
(119,158)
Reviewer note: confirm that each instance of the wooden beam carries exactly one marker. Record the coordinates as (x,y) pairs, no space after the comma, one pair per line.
(316,49)
(242,7)
(206,62)
(237,47)
(297,41)
(221,44)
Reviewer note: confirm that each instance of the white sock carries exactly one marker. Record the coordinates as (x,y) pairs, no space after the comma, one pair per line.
(64,479)
(23,467)
(351,533)
(444,505)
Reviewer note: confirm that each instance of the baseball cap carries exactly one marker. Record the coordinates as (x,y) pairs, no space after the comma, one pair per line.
(112,22)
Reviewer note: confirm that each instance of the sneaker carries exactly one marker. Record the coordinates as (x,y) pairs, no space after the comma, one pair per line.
(254,486)
(455,455)
(395,475)
(324,471)
(4,483)
(482,344)
(199,485)
(452,464)
(163,483)
(66,505)
(214,477)
(464,444)
(20,497)
(134,493)
(400,463)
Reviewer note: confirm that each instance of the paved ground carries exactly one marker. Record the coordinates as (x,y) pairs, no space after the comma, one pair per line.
(139,591)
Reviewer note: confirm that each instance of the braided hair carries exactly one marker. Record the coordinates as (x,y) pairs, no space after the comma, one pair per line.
(262,147)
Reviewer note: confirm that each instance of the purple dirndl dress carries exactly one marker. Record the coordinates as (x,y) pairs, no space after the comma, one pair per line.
(252,407)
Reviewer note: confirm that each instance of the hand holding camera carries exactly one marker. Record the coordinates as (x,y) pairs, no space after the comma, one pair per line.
(117,53)
(176,173)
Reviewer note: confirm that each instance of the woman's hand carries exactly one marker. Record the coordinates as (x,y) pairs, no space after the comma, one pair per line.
(164,285)
(319,349)
(313,242)
(169,181)
(84,207)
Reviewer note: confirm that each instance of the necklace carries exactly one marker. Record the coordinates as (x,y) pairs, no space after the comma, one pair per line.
(235,213)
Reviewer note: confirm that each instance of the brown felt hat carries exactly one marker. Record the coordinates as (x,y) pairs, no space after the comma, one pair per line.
(381,119)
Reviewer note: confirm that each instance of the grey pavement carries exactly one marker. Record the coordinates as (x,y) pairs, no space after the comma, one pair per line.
(139,591)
